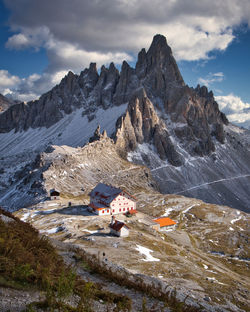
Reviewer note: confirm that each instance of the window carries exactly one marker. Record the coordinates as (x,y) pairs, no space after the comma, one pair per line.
(107,210)
(113,210)
(123,209)
(131,208)
(128,209)
(120,210)
(103,211)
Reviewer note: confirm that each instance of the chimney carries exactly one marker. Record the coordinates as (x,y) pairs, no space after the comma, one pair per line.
(112,220)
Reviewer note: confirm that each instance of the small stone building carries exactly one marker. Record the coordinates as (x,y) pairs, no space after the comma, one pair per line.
(165,223)
(54,195)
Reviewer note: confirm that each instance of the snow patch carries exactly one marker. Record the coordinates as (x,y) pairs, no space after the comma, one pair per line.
(25,216)
(167,212)
(187,209)
(235,220)
(146,253)
(52,231)
(91,232)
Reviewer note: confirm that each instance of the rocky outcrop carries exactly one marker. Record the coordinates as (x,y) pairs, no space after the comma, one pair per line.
(141,124)
(128,82)
(97,136)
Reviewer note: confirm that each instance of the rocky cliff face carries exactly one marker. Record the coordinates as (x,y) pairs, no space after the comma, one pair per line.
(154,88)
(153,117)
(194,114)
(141,124)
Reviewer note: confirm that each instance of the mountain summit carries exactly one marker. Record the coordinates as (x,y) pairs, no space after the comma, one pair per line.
(193,114)
(153,117)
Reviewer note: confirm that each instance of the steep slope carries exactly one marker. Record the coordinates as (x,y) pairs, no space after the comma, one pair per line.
(72,171)
(154,119)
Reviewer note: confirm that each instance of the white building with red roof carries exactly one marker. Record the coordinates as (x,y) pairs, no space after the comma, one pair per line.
(109,200)
(119,228)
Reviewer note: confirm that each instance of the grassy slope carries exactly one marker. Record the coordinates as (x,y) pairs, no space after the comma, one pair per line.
(28,261)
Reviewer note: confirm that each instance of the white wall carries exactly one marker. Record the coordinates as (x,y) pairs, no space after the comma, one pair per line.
(54,197)
(122,203)
(105,213)
(124,232)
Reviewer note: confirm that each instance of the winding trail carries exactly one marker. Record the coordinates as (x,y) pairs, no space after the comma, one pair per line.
(213,182)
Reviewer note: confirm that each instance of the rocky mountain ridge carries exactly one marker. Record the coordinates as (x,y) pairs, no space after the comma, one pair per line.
(156,78)
(152,116)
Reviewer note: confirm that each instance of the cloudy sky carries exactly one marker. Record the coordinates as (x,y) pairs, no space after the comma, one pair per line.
(41,40)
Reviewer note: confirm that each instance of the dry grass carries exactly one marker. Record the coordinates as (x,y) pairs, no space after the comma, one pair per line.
(28,260)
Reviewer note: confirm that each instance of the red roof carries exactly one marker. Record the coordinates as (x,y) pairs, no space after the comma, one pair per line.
(96,207)
(130,194)
(107,192)
(117,225)
(164,221)
(132,211)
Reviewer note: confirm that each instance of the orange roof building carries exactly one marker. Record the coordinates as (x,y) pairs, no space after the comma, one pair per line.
(165,223)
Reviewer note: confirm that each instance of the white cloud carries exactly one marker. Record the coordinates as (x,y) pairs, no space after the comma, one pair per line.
(193,28)
(68,56)
(7,80)
(211,78)
(28,37)
(30,88)
(83,31)
(236,110)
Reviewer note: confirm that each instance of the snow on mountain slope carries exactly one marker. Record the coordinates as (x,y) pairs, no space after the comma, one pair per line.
(221,178)
(177,131)
(73,130)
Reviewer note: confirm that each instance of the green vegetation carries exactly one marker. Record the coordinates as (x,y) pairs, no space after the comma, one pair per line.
(29,261)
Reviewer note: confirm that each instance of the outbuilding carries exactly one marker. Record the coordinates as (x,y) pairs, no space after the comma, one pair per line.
(119,228)
(54,195)
(165,223)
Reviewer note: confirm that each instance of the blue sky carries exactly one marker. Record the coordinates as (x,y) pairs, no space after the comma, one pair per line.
(41,40)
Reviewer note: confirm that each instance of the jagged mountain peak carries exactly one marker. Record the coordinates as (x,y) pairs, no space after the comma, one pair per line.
(153,116)
(158,65)
(159,50)
(93,67)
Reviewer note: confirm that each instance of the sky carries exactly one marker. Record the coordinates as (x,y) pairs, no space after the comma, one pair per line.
(40,41)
